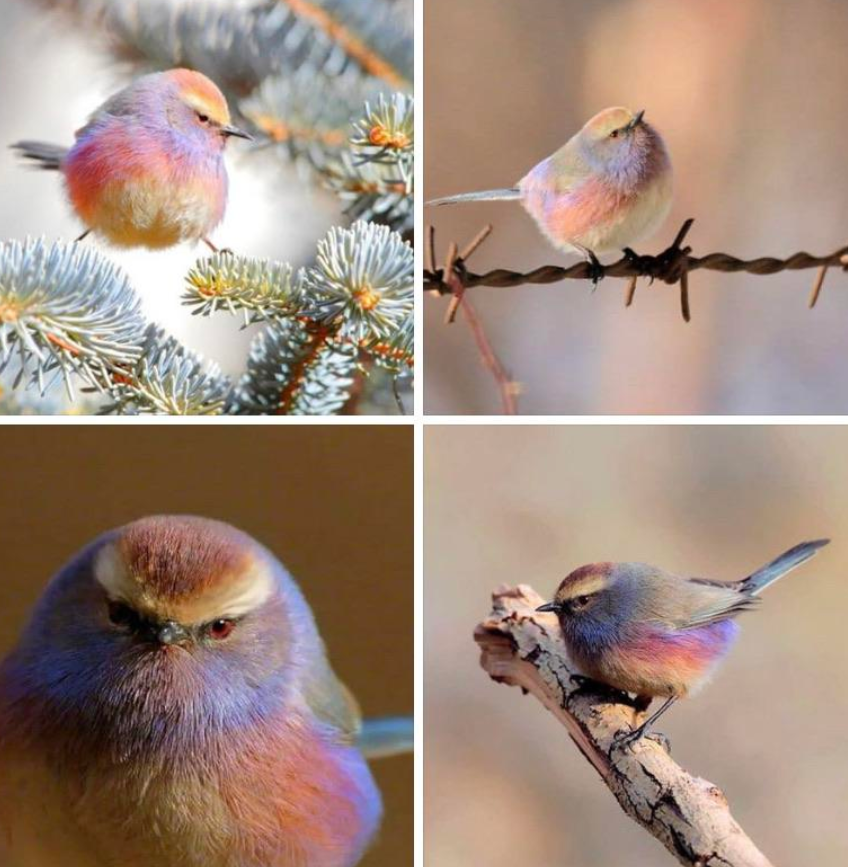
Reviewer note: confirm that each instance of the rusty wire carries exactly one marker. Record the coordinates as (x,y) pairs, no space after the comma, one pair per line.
(671,266)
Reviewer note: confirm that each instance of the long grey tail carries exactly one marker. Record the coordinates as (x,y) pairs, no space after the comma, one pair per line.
(44,156)
(784,564)
(483,196)
(386,736)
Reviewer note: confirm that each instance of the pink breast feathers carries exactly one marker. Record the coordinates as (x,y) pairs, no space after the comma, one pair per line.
(667,662)
(298,799)
(579,215)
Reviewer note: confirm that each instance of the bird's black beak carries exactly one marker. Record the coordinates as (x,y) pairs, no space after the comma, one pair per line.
(235,131)
(170,632)
(636,120)
(549,606)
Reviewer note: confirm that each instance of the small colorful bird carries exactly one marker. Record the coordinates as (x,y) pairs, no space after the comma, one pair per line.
(170,703)
(645,631)
(607,188)
(147,170)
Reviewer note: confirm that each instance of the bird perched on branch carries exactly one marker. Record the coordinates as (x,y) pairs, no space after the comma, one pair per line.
(170,703)
(147,170)
(605,189)
(645,631)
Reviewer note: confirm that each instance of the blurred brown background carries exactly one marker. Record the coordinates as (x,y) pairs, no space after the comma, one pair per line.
(749,96)
(518,504)
(334,503)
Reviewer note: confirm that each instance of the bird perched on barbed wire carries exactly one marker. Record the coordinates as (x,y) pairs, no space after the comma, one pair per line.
(170,703)
(147,170)
(645,631)
(605,189)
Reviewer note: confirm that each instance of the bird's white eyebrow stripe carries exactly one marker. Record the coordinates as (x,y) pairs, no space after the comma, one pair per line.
(111,573)
(246,598)
(248,591)
(585,587)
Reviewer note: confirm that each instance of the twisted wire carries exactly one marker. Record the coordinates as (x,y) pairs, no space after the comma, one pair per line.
(668,267)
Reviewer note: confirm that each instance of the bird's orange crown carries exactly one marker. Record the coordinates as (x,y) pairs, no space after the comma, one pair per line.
(202,94)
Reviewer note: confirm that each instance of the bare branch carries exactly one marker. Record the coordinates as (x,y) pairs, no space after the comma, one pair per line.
(688,815)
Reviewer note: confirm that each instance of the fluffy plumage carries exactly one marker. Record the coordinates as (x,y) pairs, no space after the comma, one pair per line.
(649,632)
(135,730)
(148,168)
(607,188)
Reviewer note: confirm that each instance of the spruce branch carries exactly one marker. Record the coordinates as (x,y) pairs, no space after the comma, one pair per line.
(397,354)
(296,368)
(372,191)
(168,379)
(356,299)
(259,288)
(362,281)
(386,132)
(239,47)
(309,113)
(66,310)
(354,29)
(363,153)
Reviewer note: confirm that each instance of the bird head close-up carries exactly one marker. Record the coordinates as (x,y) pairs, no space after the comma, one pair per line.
(171,699)
(188,607)
(622,143)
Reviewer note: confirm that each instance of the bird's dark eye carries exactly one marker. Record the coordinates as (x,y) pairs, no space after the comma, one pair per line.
(220,629)
(614,133)
(121,615)
(203,118)
(580,602)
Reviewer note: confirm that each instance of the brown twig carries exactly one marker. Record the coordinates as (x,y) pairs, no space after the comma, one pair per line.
(688,815)
(509,389)
(453,269)
(671,266)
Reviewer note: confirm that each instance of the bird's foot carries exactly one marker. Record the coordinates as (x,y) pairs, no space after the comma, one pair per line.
(587,684)
(597,272)
(625,739)
(661,739)
(643,264)
(581,685)
(224,251)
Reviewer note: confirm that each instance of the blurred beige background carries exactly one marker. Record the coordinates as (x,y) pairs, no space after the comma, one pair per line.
(748,95)
(334,503)
(527,504)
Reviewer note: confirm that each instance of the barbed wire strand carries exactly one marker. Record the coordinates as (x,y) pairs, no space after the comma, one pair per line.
(671,266)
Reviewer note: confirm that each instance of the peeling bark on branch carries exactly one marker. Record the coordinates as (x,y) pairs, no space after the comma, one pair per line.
(688,815)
